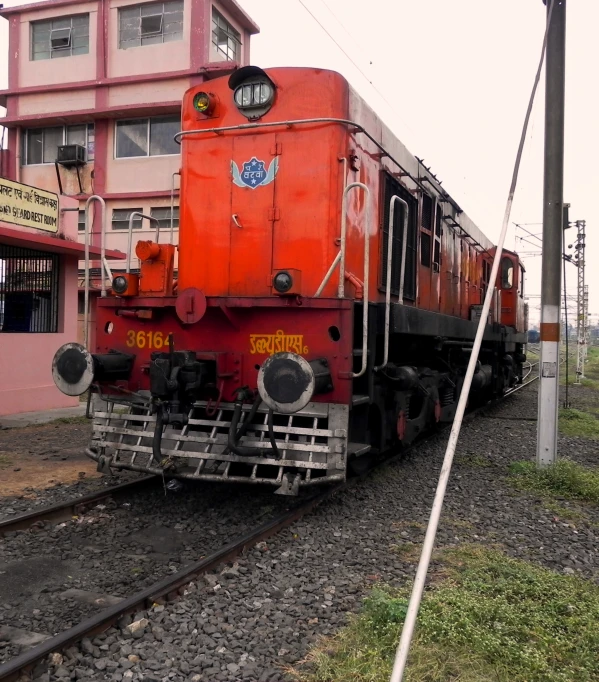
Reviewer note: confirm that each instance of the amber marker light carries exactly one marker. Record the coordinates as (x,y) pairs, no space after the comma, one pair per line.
(202,102)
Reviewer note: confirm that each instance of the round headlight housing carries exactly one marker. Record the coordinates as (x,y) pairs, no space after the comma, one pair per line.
(120,284)
(203,103)
(254,97)
(283,282)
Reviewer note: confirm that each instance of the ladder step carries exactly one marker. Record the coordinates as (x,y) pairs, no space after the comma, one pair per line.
(360,399)
(358,352)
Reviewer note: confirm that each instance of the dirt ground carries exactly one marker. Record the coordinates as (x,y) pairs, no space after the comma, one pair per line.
(43,455)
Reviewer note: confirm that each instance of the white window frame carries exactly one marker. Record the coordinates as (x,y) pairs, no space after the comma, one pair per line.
(167,209)
(57,51)
(231,31)
(161,13)
(25,141)
(137,221)
(147,155)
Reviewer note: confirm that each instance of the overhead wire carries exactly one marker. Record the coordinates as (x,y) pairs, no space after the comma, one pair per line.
(351,59)
(407,632)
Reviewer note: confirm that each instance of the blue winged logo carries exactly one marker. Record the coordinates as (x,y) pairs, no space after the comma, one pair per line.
(254,173)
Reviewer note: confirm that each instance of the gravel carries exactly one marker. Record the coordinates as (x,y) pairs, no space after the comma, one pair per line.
(250,620)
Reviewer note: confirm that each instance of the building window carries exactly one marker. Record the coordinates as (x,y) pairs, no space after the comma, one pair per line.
(225,38)
(29,290)
(120,218)
(60,37)
(81,221)
(147,137)
(163,215)
(40,145)
(151,23)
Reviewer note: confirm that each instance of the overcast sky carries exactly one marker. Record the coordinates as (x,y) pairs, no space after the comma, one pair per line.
(452,79)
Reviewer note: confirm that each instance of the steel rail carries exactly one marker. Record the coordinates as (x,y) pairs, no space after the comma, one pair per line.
(170,587)
(63,511)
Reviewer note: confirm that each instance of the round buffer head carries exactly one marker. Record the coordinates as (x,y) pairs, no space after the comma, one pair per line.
(73,369)
(286,382)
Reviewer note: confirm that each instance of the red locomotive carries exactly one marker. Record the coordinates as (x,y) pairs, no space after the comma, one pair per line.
(326,303)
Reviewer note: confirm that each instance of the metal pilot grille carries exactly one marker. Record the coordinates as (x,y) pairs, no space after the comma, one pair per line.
(29,290)
(312,443)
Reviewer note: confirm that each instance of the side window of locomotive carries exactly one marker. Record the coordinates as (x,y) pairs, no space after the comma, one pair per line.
(507,273)
(521,281)
(392,187)
(438,234)
(426,224)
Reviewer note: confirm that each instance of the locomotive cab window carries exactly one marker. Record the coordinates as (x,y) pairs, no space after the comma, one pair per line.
(521,281)
(507,273)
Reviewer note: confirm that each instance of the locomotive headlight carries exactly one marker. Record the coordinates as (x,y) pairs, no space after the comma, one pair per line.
(282,282)
(253,95)
(120,284)
(202,102)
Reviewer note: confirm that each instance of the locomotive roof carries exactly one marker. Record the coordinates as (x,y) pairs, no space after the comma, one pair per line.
(361,112)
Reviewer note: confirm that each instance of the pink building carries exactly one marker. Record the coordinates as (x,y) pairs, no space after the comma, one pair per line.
(94,98)
(39,253)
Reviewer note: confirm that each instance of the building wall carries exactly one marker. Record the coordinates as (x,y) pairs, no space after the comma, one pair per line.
(26,383)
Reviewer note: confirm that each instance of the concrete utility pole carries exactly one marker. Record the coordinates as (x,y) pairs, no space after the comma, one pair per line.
(553,200)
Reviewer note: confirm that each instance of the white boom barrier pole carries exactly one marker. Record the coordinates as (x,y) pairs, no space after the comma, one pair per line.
(403,649)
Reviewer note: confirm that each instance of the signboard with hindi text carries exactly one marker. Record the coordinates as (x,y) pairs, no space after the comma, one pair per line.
(28,206)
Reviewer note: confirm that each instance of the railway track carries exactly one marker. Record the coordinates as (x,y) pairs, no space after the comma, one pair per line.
(63,511)
(22,666)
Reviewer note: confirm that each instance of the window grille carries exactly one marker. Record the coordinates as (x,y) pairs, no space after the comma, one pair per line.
(29,290)
(225,38)
(62,37)
(391,187)
(150,24)
(147,137)
(163,215)
(120,218)
(40,145)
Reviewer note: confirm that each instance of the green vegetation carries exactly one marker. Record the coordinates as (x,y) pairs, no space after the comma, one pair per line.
(591,368)
(564,478)
(5,461)
(576,423)
(491,618)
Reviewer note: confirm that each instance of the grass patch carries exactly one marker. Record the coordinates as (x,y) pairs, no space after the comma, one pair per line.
(564,478)
(493,618)
(576,423)
(5,461)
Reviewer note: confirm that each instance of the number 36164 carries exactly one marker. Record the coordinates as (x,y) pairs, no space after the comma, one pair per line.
(146,339)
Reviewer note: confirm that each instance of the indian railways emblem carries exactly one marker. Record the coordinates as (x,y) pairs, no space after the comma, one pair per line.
(254,173)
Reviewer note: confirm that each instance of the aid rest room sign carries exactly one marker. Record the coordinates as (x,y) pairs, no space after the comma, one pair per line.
(28,206)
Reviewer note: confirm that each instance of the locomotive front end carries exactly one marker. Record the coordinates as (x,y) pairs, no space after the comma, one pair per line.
(235,370)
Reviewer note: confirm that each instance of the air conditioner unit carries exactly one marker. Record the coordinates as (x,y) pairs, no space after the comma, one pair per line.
(71,155)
